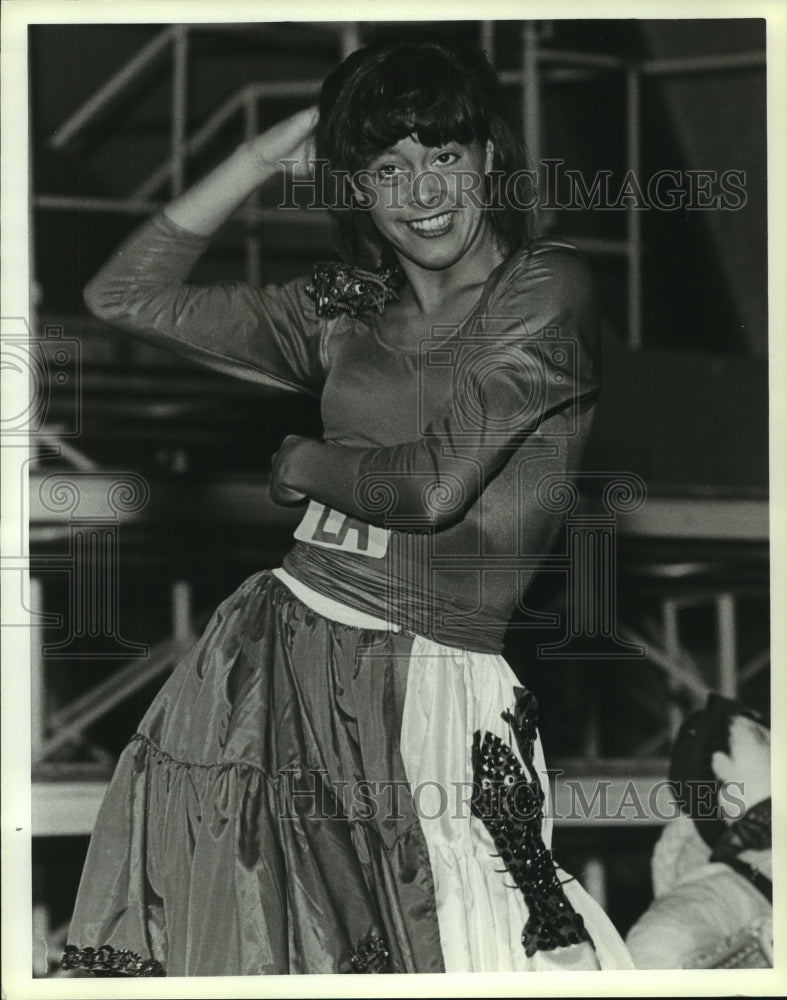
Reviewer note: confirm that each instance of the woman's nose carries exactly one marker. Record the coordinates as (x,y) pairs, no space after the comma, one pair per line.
(429,189)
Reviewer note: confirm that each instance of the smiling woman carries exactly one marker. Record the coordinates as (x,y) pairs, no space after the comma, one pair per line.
(424,210)
(344,775)
(423,116)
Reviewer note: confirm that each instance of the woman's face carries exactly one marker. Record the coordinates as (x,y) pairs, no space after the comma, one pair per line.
(427,201)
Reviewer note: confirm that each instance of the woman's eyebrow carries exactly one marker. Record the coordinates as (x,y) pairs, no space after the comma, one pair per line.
(386,156)
(391,151)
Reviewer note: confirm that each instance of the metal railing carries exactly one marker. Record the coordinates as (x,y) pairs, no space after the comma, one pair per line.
(539,65)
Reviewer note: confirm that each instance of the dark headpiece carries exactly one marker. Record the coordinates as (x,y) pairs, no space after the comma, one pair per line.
(696,786)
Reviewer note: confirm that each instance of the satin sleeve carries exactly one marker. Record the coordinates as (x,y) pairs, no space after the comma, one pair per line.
(529,365)
(268,335)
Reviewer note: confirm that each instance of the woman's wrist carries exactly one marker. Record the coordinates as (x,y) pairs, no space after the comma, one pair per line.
(325,472)
(286,140)
(212,200)
(259,164)
(306,462)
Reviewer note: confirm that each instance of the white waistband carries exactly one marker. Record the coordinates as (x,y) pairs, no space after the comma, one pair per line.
(328,608)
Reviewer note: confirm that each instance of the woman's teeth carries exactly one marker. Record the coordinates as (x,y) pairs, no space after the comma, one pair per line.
(434,225)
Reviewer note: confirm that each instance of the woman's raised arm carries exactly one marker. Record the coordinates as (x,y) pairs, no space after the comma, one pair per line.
(211,201)
(268,335)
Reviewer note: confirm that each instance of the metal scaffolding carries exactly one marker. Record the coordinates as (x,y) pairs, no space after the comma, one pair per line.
(540,65)
(69,807)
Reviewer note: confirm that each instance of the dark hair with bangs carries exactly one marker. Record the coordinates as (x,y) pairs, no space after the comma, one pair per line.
(435,93)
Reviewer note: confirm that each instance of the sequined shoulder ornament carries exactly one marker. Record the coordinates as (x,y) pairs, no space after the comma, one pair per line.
(336,288)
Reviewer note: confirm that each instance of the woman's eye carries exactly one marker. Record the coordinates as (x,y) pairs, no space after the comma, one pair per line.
(386,171)
(445,158)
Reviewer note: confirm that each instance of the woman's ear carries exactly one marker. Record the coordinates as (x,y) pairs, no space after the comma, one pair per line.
(490,156)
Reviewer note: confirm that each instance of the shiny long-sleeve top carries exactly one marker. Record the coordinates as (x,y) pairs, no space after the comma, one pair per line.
(465,434)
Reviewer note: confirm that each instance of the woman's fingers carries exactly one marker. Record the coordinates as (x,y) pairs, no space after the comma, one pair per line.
(280,473)
(284,496)
(290,139)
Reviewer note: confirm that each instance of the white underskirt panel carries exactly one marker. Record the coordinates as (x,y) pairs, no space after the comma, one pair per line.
(451,693)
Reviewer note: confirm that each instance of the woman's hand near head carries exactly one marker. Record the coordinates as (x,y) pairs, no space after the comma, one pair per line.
(291,139)
(211,201)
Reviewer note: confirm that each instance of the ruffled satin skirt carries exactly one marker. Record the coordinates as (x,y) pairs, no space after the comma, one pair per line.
(305,796)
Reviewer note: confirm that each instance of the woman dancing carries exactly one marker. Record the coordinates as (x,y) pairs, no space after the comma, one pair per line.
(343,773)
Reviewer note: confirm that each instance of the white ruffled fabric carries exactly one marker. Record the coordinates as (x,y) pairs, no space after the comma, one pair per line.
(451,693)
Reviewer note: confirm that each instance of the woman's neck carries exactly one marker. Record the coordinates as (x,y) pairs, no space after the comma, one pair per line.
(431,291)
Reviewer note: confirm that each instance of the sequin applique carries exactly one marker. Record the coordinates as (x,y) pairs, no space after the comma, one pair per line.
(371,955)
(337,288)
(510,804)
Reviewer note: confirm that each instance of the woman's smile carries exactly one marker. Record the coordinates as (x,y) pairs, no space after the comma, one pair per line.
(435,225)
(425,201)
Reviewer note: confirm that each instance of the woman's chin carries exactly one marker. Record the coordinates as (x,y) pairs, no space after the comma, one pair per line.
(435,255)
